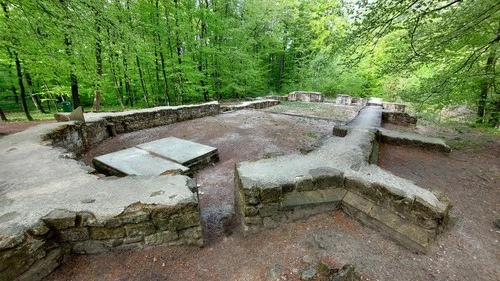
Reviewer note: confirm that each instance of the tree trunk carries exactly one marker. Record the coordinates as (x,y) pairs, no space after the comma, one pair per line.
(203,34)
(171,52)
(98,58)
(34,97)
(21,87)
(164,73)
(75,97)
(119,94)
(483,94)
(281,71)
(16,97)
(144,89)
(179,55)
(128,89)
(2,116)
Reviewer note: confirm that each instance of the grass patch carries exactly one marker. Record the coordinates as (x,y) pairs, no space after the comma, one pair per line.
(311,135)
(466,136)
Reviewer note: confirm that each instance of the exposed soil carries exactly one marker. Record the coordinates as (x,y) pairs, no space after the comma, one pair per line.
(469,250)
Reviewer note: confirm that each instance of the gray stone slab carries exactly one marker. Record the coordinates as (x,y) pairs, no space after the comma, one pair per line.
(178,150)
(135,161)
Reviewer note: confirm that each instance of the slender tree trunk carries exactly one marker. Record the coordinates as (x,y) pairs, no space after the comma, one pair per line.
(21,87)
(2,116)
(128,89)
(162,58)
(14,92)
(483,94)
(179,55)
(144,89)
(75,97)
(164,73)
(280,72)
(119,94)
(34,98)
(171,52)
(203,34)
(98,58)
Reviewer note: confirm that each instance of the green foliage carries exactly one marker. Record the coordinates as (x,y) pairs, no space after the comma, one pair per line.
(138,53)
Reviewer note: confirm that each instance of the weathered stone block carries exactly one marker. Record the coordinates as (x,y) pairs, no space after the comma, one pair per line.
(60,219)
(403,231)
(113,222)
(94,246)
(294,199)
(270,194)
(85,219)
(102,233)
(130,240)
(192,233)
(43,267)
(162,215)
(74,234)
(374,191)
(358,202)
(394,106)
(268,210)
(161,237)
(185,220)
(139,229)
(340,131)
(303,183)
(306,96)
(38,229)
(251,195)
(12,240)
(327,177)
(251,211)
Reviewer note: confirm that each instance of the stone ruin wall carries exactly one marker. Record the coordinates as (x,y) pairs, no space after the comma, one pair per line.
(306,96)
(399,118)
(34,254)
(79,137)
(46,245)
(267,207)
(412,224)
(257,104)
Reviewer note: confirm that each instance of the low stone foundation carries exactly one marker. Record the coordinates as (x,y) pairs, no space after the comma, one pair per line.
(271,192)
(45,246)
(394,106)
(306,96)
(85,221)
(399,118)
(58,208)
(266,206)
(256,104)
(343,100)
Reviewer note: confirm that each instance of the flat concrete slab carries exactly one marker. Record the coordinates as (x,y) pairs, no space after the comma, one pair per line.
(181,151)
(135,161)
(160,157)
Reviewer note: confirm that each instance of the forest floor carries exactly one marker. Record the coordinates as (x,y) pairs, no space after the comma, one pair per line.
(469,176)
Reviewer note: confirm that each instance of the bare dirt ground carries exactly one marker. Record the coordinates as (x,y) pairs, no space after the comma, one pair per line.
(470,177)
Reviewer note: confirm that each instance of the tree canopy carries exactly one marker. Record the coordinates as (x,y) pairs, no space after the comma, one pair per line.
(129,53)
